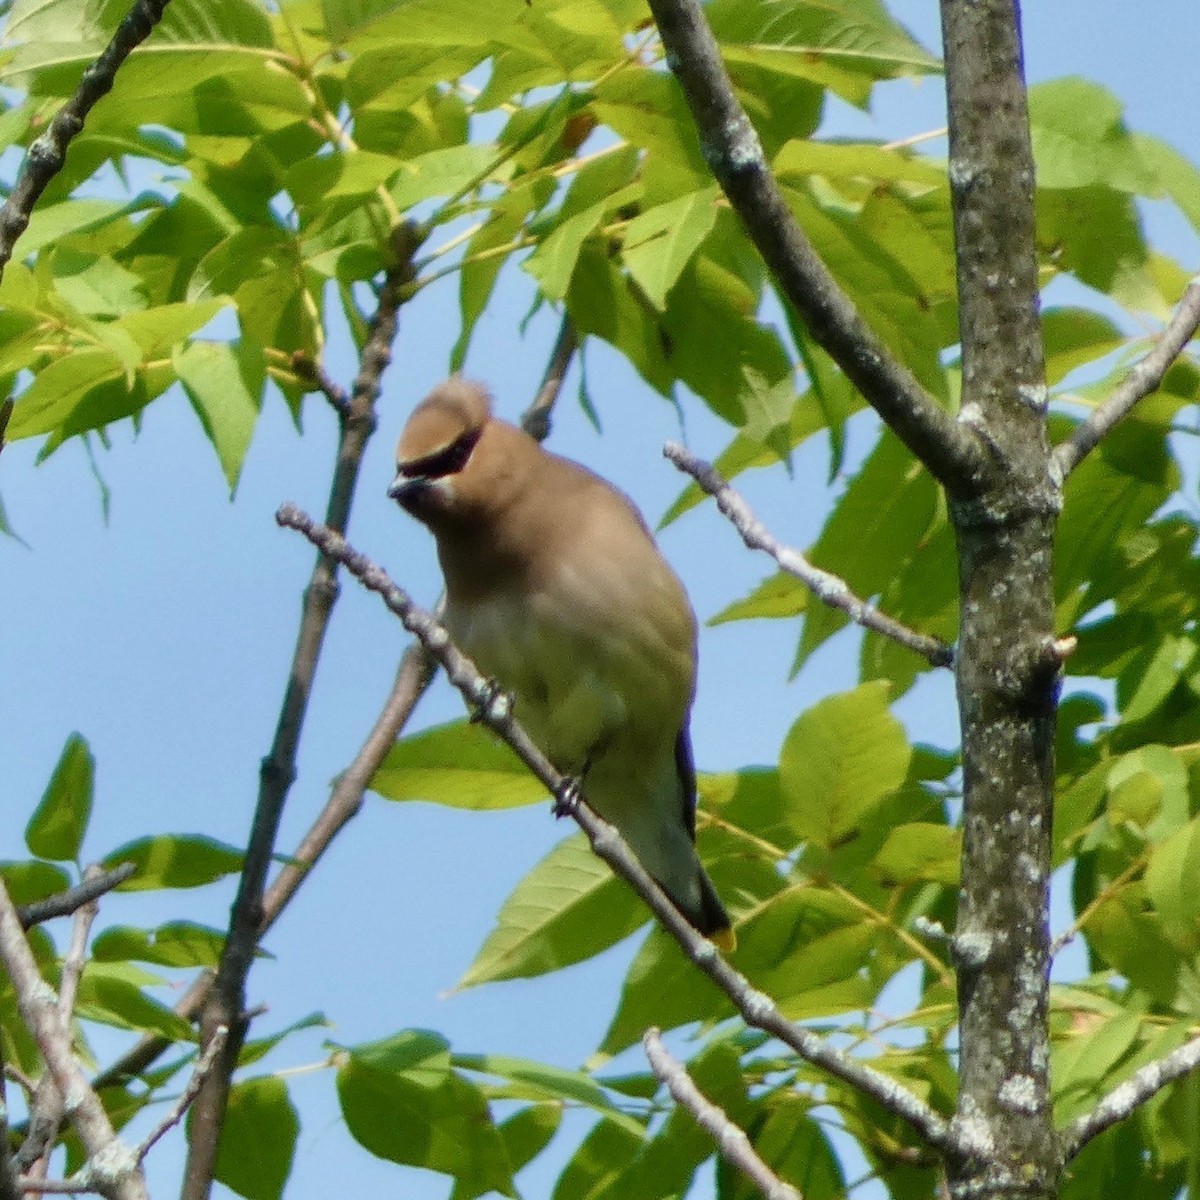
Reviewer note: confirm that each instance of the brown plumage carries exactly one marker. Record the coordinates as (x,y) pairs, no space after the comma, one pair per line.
(555,587)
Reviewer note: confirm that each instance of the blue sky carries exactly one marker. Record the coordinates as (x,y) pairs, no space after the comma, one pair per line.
(164,637)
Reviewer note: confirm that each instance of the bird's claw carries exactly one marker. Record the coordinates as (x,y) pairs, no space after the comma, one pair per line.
(494,704)
(567,798)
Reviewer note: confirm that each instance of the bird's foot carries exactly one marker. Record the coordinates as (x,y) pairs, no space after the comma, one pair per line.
(568,796)
(494,705)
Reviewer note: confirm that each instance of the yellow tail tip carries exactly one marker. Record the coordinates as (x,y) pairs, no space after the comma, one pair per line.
(725,940)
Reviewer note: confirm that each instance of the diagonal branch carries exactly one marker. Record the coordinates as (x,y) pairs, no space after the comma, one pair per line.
(732,1142)
(47,155)
(493,710)
(732,150)
(225,1005)
(826,587)
(1123,1099)
(63,904)
(1143,378)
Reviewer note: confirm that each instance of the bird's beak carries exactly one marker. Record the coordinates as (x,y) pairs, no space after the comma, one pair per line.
(407,490)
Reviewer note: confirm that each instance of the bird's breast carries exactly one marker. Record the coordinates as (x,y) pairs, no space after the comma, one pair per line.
(580,682)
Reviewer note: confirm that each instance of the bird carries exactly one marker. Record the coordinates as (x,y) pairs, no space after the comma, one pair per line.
(556,589)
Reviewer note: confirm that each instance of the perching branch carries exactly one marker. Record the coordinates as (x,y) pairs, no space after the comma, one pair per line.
(826,587)
(225,1005)
(47,155)
(1141,380)
(63,904)
(732,1142)
(112,1167)
(493,710)
(731,148)
(1123,1099)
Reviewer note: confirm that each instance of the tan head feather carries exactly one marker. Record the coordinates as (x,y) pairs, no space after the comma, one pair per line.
(453,409)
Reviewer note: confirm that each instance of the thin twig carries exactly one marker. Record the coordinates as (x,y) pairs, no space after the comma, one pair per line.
(8,1169)
(47,155)
(733,152)
(1123,1099)
(1128,875)
(1141,380)
(307,369)
(493,710)
(226,1002)
(63,904)
(84,1180)
(47,1109)
(204,1065)
(111,1164)
(826,587)
(535,420)
(732,1142)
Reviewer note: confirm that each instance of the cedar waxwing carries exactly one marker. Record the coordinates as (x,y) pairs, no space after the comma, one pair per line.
(555,588)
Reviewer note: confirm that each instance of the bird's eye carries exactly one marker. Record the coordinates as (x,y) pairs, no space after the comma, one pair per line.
(448,461)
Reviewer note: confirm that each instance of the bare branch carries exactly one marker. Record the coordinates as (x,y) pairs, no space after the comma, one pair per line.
(732,1142)
(1141,380)
(8,1169)
(47,155)
(732,150)
(493,710)
(826,587)
(1123,1099)
(63,904)
(225,1004)
(111,1167)
(345,802)
(535,420)
(204,1065)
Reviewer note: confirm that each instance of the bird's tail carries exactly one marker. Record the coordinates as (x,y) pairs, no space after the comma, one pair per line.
(711,919)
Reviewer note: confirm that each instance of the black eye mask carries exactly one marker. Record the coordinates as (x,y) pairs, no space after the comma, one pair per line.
(448,461)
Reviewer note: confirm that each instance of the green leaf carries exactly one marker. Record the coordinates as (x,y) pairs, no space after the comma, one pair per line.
(175,861)
(402,1102)
(460,765)
(1177,174)
(111,994)
(660,241)
(258,1139)
(540,1082)
(876,528)
(224,381)
(779,595)
(525,1135)
(82,385)
(1079,139)
(568,908)
(29,881)
(920,853)
(337,176)
(844,47)
(663,988)
(552,264)
(803,157)
(796,1148)
(1083,1064)
(1173,884)
(602,1156)
(1149,787)
(176,944)
(445,172)
(839,760)
(60,820)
